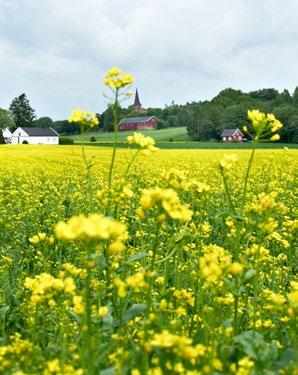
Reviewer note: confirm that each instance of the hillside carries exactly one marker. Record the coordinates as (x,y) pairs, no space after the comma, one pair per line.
(163,135)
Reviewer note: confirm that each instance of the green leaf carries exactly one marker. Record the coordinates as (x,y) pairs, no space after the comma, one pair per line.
(108,371)
(3,311)
(249,274)
(137,257)
(252,342)
(134,310)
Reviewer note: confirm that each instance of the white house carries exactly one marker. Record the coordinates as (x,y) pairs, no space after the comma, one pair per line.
(35,136)
(7,135)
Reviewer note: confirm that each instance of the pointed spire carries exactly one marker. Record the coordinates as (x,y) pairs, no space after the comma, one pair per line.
(137,102)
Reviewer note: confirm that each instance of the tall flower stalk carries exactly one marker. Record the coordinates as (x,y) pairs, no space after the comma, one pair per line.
(117,82)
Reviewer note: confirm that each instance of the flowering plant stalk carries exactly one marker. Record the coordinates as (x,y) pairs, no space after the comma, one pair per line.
(86,120)
(116,81)
(263,125)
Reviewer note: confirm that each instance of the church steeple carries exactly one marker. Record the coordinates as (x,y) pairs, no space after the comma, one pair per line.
(137,102)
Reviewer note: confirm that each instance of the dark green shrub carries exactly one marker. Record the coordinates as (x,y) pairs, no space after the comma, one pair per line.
(65,141)
(92,139)
(25,142)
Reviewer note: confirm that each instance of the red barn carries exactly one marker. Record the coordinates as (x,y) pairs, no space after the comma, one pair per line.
(229,135)
(138,123)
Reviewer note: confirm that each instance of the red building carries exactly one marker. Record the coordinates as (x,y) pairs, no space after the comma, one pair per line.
(230,135)
(138,123)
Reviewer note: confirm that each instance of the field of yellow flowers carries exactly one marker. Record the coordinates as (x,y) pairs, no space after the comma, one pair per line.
(179,263)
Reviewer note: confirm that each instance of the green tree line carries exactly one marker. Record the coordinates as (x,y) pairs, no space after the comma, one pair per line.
(204,120)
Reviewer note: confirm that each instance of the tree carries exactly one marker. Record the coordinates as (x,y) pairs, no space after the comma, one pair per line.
(22,112)
(295,97)
(43,122)
(292,130)
(64,127)
(264,94)
(6,121)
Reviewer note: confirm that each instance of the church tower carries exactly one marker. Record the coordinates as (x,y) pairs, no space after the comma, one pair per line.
(137,104)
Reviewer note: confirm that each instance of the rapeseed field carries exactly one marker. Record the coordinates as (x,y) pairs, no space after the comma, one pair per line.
(141,261)
(170,266)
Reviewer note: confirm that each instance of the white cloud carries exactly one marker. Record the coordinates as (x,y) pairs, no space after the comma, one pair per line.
(57,51)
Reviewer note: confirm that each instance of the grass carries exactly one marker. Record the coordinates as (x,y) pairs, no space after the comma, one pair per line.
(179,140)
(162,135)
(204,145)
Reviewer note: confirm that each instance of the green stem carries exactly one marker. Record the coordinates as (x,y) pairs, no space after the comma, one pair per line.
(151,268)
(247,174)
(115,114)
(231,204)
(131,162)
(236,300)
(88,167)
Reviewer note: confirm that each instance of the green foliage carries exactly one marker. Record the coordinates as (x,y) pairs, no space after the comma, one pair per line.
(162,135)
(92,139)
(22,112)
(228,110)
(6,120)
(295,97)
(2,140)
(65,141)
(43,122)
(25,142)
(64,127)
(162,124)
(207,119)
(107,118)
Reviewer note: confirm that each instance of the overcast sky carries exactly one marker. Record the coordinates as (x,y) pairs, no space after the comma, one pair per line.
(57,51)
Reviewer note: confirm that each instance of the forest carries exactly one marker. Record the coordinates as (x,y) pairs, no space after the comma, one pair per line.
(204,120)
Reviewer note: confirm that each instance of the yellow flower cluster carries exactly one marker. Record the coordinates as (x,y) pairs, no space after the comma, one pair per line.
(265,202)
(74,271)
(120,193)
(18,346)
(185,295)
(93,227)
(115,80)
(169,202)
(40,237)
(180,345)
(85,118)
(179,180)
(228,161)
(45,287)
(78,305)
(145,142)
(135,282)
(55,367)
(245,366)
(263,124)
(214,262)
(293,295)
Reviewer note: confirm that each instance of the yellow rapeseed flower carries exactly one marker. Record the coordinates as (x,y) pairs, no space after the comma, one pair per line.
(115,79)
(93,227)
(146,143)
(87,119)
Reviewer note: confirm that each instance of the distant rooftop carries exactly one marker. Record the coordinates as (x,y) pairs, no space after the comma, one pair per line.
(135,120)
(230,132)
(40,132)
